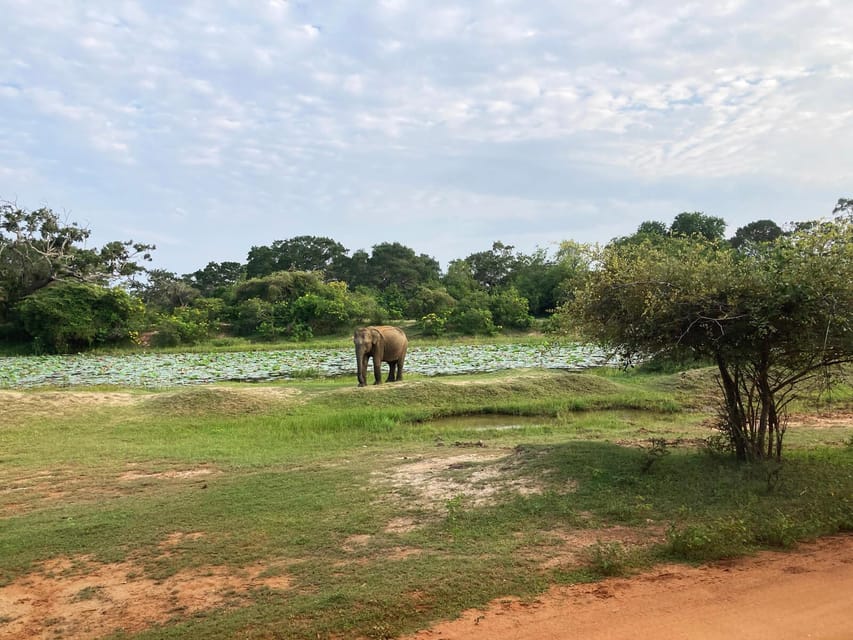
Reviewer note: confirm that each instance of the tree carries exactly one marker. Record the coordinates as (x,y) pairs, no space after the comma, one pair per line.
(771,319)
(758,231)
(492,269)
(648,231)
(459,279)
(393,263)
(37,248)
(428,300)
(164,291)
(652,228)
(216,278)
(510,309)
(696,223)
(281,285)
(71,315)
(300,253)
(845,205)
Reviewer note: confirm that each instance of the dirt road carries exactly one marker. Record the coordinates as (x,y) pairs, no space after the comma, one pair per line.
(807,593)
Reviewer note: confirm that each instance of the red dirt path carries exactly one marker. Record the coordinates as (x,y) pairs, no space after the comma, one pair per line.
(807,593)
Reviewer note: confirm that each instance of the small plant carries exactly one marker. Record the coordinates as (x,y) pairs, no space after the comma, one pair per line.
(656,450)
(723,538)
(87,593)
(607,558)
(455,508)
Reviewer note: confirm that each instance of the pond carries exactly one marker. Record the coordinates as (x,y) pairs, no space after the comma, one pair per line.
(167,370)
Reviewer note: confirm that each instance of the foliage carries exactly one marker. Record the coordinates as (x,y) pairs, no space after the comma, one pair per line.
(278,286)
(608,558)
(698,224)
(216,278)
(754,232)
(392,263)
(37,248)
(433,325)
(184,326)
(544,280)
(426,300)
(492,269)
(164,291)
(301,253)
(509,309)
(471,316)
(72,315)
(771,319)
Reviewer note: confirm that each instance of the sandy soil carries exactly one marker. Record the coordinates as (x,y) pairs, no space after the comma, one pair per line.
(807,593)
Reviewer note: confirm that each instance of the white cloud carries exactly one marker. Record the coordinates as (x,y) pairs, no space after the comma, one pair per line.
(314,107)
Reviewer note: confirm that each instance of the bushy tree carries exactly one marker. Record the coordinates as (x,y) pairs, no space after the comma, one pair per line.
(65,316)
(281,285)
(38,248)
(427,300)
(537,278)
(696,223)
(492,269)
(754,232)
(295,304)
(163,291)
(472,316)
(771,319)
(510,309)
(184,326)
(216,278)
(459,280)
(301,253)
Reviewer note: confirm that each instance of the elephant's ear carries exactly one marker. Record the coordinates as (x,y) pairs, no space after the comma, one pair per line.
(377,336)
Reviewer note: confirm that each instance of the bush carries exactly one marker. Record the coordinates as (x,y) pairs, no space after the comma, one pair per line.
(427,301)
(186,325)
(68,315)
(250,314)
(510,309)
(472,321)
(433,325)
(607,558)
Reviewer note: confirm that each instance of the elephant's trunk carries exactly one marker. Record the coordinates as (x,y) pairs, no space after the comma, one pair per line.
(361,363)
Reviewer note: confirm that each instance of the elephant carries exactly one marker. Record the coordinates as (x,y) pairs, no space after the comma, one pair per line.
(383,344)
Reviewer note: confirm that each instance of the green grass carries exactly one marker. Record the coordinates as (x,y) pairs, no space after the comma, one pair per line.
(313,479)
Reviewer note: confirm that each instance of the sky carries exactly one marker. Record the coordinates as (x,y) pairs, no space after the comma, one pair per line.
(210,127)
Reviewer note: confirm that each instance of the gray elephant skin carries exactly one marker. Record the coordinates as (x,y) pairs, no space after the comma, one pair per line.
(383,344)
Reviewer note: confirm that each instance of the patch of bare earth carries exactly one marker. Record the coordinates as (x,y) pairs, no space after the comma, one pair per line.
(82,599)
(478,478)
(784,596)
(572,548)
(834,420)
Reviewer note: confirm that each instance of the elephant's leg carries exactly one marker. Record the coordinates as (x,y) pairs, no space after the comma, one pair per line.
(377,370)
(392,367)
(400,368)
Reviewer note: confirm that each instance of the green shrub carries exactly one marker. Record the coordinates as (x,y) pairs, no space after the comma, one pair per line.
(471,316)
(186,325)
(607,558)
(433,325)
(724,538)
(510,309)
(67,315)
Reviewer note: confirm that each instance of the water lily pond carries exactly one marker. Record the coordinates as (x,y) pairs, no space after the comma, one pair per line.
(166,370)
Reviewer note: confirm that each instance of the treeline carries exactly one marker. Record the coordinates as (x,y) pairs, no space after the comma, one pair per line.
(58,295)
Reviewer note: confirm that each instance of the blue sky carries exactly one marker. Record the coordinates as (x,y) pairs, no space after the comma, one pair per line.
(207,127)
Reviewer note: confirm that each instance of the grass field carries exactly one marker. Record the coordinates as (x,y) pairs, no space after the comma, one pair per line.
(317,509)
